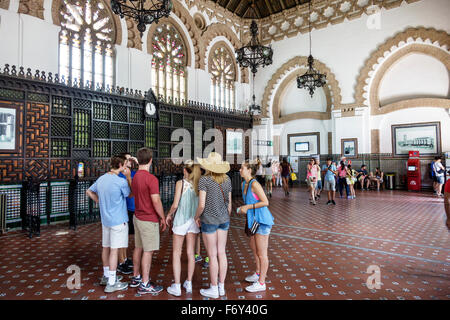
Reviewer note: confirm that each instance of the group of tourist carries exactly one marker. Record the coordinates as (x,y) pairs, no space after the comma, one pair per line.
(202,205)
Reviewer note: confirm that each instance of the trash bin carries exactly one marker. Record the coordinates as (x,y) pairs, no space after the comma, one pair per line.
(390,181)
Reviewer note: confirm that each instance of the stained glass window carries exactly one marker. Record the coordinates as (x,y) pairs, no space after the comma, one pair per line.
(223,71)
(169,64)
(86,42)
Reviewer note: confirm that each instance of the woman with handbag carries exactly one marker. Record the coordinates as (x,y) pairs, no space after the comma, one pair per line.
(258,225)
(213,215)
(440,176)
(182,214)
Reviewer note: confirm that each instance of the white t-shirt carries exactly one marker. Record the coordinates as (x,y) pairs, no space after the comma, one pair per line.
(268,171)
(438,166)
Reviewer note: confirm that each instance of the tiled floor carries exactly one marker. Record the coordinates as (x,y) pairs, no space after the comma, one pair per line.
(316,252)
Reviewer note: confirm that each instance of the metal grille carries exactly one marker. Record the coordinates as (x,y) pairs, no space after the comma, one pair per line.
(81,154)
(164,119)
(177,120)
(38,97)
(2,213)
(12,193)
(60,148)
(119,131)
(102,149)
(134,147)
(61,106)
(101,130)
(164,134)
(12,94)
(188,122)
(102,111)
(61,127)
(167,190)
(136,132)
(81,103)
(83,214)
(81,126)
(118,147)
(120,113)
(209,124)
(135,115)
(164,150)
(60,199)
(150,134)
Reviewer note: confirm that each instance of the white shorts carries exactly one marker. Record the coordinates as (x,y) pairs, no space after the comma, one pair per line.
(115,237)
(189,227)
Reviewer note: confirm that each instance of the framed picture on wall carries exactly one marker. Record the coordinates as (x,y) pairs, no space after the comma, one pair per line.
(9,126)
(349,148)
(303,144)
(423,137)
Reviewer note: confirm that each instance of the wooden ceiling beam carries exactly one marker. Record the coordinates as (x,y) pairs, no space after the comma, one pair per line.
(269,6)
(283,6)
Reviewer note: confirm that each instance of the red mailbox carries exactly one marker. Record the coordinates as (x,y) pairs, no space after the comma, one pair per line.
(414,177)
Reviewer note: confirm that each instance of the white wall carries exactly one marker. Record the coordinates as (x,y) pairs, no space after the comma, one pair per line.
(414,76)
(344,48)
(295,100)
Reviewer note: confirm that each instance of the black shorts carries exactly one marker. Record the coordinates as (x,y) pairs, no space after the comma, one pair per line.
(130,222)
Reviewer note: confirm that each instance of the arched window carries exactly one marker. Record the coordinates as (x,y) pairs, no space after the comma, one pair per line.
(169,63)
(86,42)
(223,71)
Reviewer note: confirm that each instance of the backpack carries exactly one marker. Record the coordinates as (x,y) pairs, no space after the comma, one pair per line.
(432,172)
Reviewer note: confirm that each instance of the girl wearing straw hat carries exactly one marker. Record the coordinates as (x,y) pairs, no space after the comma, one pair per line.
(213,216)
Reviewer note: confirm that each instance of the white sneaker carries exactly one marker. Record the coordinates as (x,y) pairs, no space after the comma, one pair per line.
(174,289)
(212,292)
(253,278)
(221,289)
(188,286)
(256,286)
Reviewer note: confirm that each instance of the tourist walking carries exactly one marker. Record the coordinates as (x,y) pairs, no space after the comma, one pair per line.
(330,180)
(286,170)
(256,209)
(182,214)
(213,216)
(311,179)
(269,177)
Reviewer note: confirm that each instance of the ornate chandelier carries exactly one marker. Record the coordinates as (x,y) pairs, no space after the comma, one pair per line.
(143,14)
(254,54)
(311,79)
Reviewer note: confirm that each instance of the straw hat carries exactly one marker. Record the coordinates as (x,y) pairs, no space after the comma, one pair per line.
(214,163)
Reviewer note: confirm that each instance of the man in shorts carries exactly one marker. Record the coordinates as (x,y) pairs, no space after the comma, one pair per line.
(110,192)
(329,180)
(148,217)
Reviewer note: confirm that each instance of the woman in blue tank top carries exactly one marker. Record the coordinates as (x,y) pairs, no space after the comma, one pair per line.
(256,208)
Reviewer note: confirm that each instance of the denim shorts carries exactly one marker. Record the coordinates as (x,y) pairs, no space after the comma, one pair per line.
(264,229)
(440,179)
(211,228)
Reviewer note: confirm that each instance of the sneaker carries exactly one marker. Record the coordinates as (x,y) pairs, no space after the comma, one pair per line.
(188,286)
(117,286)
(206,263)
(124,268)
(256,287)
(174,290)
(135,282)
(333,202)
(104,280)
(329,202)
(221,289)
(149,288)
(198,258)
(349,197)
(129,262)
(253,278)
(212,292)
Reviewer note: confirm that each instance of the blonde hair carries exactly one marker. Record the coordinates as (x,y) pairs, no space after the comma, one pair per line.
(217,177)
(194,174)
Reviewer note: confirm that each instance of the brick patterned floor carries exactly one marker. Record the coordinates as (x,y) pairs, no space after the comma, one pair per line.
(315,252)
